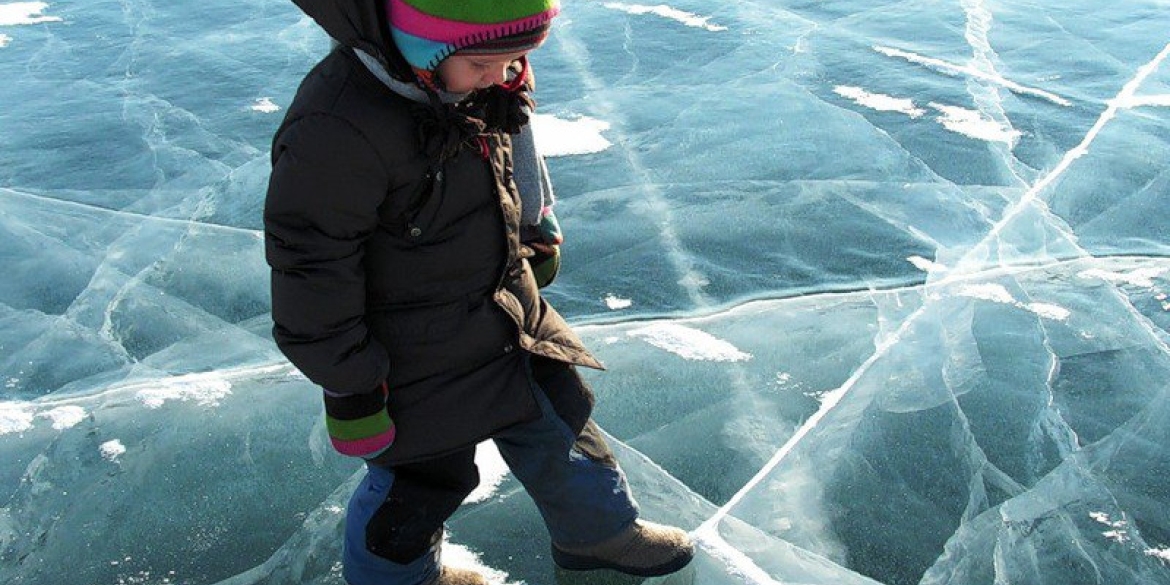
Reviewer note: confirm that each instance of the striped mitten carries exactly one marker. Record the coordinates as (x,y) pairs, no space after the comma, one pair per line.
(546,262)
(358,424)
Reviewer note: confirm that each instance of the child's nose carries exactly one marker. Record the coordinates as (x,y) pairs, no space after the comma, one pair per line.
(498,75)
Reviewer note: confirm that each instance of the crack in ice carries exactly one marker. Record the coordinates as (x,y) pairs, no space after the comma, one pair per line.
(707,535)
(952,69)
(1114,105)
(988,100)
(690,279)
(130,215)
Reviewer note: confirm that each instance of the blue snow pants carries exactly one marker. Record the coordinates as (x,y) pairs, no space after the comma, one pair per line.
(394,522)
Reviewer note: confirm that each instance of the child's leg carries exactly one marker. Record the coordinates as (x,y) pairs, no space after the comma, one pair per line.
(394,523)
(576,483)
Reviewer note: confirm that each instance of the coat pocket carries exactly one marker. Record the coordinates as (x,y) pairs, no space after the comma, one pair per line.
(420,325)
(449,339)
(417,221)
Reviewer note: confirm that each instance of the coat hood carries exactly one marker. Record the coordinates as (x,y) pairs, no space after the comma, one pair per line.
(360,24)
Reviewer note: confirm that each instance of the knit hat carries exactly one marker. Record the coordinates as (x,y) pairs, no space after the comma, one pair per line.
(428,31)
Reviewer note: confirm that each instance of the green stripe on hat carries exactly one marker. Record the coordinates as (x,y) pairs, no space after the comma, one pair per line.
(483,11)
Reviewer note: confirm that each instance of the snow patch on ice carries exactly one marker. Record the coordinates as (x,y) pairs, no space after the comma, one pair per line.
(995,293)
(998,294)
(1137,101)
(25,13)
(14,418)
(687,18)
(1118,534)
(1103,518)
(265,105)
(960,120)
(1143,277)
(65,417)
(564,137)
(616,303)
(880,102)
(462,557)
(689,343)
(112,449)
(974,125)
(818,395)
(1159,553)
(784,381)
(492,471)
(925,265)
(203,389)
(1049,311)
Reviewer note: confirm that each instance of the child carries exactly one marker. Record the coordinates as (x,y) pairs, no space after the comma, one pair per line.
(402,286)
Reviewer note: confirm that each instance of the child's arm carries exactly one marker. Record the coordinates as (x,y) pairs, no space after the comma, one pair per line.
(540,229)
(322,202)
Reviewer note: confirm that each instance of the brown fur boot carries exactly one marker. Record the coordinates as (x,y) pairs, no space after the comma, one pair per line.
(644,549)
(453,576)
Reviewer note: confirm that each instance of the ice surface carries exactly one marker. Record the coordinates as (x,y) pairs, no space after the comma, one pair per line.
(883,289)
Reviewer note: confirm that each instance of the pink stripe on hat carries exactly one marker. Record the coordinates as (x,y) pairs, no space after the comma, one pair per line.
(420,24)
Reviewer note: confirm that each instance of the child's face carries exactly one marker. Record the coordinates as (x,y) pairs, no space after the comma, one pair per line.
(466,73)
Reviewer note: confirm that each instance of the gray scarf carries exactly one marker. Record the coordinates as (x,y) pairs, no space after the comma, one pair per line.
(529,171)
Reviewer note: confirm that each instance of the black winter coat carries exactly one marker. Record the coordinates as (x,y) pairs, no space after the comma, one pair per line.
(389,266)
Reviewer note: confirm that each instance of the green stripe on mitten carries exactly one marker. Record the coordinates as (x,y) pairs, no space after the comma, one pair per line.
(358,424)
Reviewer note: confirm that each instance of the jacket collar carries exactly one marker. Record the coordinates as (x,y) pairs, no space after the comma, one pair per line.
(409,91)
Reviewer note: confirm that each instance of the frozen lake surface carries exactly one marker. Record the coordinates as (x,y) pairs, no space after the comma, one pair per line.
(882,288)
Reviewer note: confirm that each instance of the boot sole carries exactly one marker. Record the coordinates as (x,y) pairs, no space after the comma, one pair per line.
(571,562)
